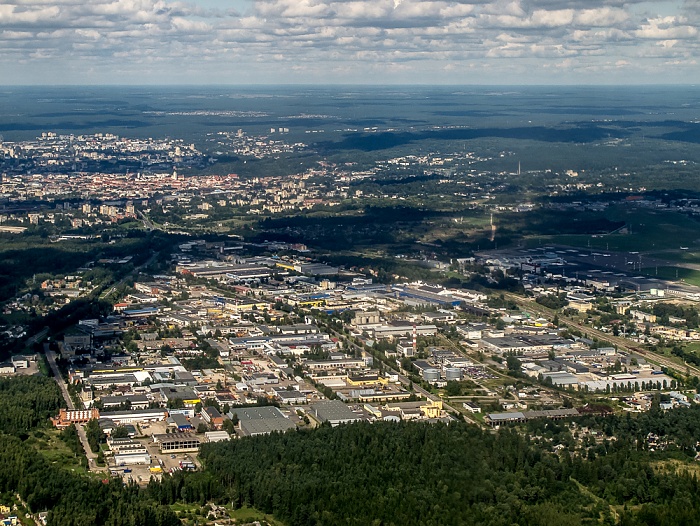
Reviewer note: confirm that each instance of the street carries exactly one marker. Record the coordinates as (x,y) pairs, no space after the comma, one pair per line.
(622,343)
(51,358)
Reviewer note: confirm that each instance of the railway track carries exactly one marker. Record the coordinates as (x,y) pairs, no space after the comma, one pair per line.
(619,342)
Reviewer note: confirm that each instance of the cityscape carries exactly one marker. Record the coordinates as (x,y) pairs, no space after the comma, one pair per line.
(409,263)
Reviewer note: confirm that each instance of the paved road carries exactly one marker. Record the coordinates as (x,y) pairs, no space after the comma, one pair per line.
(51,358)
(147,223)
(407,381)
(622,343)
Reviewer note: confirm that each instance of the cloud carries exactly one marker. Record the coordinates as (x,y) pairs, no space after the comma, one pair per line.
(668,27)
(372,40)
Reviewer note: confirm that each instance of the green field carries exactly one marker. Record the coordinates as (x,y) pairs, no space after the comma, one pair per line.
(690,276)
(242,515)
(49,444)
(677,255)
(649,231)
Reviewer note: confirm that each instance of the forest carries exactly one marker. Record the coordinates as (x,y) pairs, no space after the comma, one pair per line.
(72,499)
(596,470)
(413,473)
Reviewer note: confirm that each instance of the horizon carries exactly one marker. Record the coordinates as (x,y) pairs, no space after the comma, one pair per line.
(244,42)
(356,85)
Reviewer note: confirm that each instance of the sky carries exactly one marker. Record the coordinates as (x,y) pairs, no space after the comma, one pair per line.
(144,42)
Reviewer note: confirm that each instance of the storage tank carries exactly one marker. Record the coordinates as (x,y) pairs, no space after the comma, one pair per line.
(431,375)
(453,373)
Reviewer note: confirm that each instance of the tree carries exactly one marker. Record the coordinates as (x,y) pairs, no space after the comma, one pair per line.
(120,432)
(229,426)
(513,364)
(95,435)
(453,388)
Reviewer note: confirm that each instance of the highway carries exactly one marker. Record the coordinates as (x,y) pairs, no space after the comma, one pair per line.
(147,223)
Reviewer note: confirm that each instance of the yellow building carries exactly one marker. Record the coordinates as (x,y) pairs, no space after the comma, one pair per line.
(432,409)
(365,379)
(285,265)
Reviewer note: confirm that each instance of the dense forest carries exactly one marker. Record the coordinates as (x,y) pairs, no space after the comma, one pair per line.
(630,470)
(413,473)
(27,402)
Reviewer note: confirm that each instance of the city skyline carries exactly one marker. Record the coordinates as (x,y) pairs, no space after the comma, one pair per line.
(349,42)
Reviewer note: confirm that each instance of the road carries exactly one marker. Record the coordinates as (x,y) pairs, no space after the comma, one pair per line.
(406,382)
(619,341)
(51,358)
(37,337)
(132,273)
(147,223)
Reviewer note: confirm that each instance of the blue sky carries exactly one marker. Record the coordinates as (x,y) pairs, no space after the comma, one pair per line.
(349,41)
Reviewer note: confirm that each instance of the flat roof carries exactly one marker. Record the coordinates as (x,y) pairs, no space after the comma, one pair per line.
(261,420)
(334,411)
(505,417)
(175,437)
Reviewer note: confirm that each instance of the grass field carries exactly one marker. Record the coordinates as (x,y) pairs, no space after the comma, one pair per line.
(676,466)
(677,255)
(49,444)
(649,231)
(692,277)
(240,516)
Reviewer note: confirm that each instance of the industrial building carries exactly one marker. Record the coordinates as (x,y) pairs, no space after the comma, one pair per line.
(128,452)
(261,420)
(217,436)
(334,411)
(177,442)
(495,419)
(212,417)
(67,417)
(136,416)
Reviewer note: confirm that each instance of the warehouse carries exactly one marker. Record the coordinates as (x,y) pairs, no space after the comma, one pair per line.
(261,420)
(129,459)
(217,436)
(136,416)
(334,411)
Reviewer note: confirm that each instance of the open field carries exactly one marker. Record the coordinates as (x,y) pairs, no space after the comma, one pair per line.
(192,514)
(50,445)
(649,231)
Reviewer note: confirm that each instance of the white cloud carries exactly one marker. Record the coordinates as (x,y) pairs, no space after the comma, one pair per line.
(363,39)
(668,27)
(556,18)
